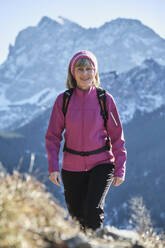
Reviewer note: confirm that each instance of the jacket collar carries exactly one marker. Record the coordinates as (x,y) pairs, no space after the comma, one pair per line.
(81,92)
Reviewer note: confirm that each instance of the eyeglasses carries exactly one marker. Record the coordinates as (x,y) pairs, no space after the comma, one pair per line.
(80,70)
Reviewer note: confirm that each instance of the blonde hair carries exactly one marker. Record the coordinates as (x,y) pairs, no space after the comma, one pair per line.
(71,82)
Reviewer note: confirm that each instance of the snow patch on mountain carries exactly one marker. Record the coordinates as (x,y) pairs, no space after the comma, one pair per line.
(150,102)
(19,113)
(43,97)
(4,102)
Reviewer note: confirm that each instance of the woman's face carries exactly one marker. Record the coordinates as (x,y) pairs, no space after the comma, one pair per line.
(84,76)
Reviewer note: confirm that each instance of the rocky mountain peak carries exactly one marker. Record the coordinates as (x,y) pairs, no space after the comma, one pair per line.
(45,21)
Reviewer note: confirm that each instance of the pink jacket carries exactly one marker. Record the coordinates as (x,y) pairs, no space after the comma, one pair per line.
(84,131)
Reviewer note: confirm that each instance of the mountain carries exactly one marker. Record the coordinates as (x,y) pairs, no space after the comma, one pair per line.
(36,67)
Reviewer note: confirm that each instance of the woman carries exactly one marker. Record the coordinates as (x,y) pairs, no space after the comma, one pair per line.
(89,165)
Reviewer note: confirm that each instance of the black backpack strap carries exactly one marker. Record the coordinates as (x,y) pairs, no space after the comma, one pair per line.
(66,99)
(101,95)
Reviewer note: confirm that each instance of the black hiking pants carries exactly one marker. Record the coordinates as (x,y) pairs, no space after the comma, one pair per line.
(85,194)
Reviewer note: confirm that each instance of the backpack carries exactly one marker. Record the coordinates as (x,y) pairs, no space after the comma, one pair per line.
(101,95)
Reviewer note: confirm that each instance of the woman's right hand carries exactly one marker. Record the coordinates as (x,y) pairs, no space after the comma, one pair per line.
(55,178)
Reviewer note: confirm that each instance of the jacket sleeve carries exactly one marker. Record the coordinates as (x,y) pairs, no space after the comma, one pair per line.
(54,135)
(115,130)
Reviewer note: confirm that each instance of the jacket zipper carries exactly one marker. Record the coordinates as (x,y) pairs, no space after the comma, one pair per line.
(83,136)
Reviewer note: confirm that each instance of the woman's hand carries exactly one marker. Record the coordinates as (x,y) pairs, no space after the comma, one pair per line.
(55,178)
(117,181)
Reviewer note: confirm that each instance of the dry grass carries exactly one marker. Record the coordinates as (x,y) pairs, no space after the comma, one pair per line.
(29,216)
(141,220)
(140,216)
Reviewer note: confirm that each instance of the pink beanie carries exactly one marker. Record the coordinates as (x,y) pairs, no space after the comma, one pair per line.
(83,54)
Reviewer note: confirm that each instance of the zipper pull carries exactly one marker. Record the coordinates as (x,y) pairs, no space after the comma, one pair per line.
(114,119)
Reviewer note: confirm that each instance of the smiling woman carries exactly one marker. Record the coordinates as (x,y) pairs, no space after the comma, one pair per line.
(83,71)
(94,154)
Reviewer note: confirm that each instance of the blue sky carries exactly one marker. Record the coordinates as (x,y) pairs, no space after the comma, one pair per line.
(16,15)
